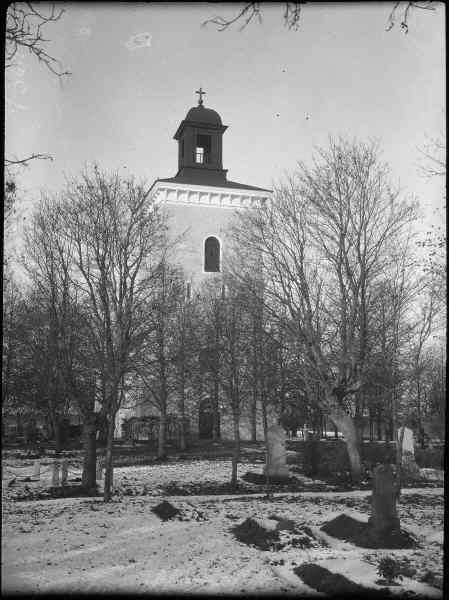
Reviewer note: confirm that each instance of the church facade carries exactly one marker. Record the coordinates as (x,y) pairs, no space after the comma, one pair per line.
(199,202)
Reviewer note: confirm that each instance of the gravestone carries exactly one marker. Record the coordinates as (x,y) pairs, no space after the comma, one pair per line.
(384,518)
(55,474)
(407,440)
(276,453)
(64,472)
(408,452)
(99,473)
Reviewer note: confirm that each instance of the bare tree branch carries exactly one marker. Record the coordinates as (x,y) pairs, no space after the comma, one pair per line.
(24,162)
(403,16)
(292,15)
(434,154)
(24,29)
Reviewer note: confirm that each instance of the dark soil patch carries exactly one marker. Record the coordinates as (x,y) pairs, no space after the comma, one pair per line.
(166,511)
(363,535)
(333,584)
(361,504)
(251,533)
(261,479)
(28,455)
(199,489)
(420,500)
(52,493)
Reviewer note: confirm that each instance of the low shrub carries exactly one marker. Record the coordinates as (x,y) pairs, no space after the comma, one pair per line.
(430,458)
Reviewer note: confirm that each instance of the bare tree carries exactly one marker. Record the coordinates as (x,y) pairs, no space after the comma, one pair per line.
(324,242)
(116,234)
(423,326)
(185,357)
(47,262)
(13,309)
(433,162)
(211,297)
(433,165)
(156,364)
(226,312)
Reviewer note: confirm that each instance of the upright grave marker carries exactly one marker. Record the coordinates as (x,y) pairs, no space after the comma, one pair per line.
(64,472)
(276,453)
(55,474)
(408,462)
(384,518)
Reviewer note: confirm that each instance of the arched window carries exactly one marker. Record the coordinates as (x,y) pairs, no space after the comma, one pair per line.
(212,255)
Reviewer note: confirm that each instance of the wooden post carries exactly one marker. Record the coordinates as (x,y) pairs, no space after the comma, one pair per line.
(37,469)
(55,474)
(64,472)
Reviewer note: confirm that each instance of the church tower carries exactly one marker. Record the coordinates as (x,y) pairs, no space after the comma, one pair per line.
(200,199)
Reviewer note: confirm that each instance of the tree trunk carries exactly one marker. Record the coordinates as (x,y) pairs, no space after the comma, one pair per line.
(379,425)
(345,424)
(215,411)
(89,479)
(161,441)
(236,453)
(108,477)
(359,427)
(182,433)
(57,435)
(254,417)
(399,470)
(371,426)
(182,410)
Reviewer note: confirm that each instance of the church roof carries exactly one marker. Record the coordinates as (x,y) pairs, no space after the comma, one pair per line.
(221,184)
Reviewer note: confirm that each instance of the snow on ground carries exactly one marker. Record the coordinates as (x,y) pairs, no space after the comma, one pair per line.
(84,545)
(154,479)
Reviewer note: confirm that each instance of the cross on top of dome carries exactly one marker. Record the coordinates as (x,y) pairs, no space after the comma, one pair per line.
(201,94)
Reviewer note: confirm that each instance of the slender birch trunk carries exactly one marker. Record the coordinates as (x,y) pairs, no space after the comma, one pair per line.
(108,477)
(161,442)
(236,453)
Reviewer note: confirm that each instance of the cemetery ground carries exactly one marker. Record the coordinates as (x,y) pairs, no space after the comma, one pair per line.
(176,527)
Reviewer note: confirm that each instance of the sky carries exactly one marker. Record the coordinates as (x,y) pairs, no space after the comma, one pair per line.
(135,68)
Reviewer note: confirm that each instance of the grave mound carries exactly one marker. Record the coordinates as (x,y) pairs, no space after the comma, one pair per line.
(251,533)
(363,534)
(286,534)
(322,580)
(166,511)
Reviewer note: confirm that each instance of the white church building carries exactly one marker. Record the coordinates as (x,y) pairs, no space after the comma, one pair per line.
(200,201)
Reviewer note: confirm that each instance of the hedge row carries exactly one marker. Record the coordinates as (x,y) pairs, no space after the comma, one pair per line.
(330,458)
